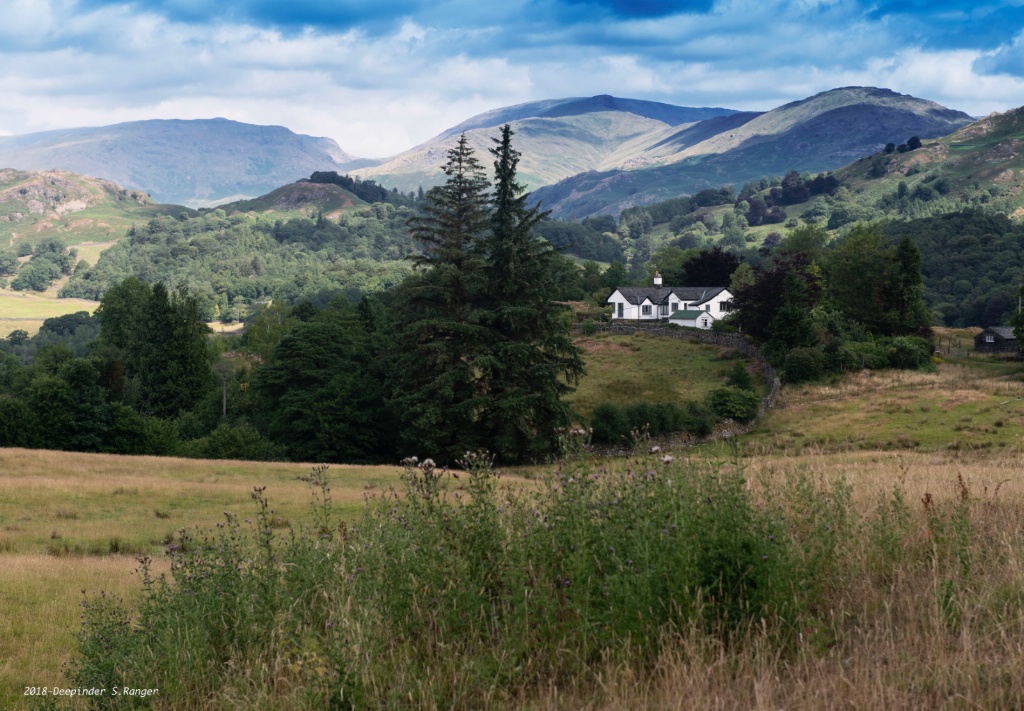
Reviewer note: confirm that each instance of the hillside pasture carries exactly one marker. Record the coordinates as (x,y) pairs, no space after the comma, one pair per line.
(968,404)
(27,310)
(625,369)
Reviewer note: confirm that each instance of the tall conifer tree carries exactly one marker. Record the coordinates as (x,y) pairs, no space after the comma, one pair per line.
(436,378)
(534,361)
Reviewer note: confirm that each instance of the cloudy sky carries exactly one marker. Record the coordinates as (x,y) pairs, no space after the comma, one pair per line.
(380,76)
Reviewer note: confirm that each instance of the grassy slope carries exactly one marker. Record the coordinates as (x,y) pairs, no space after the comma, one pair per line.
(644,368)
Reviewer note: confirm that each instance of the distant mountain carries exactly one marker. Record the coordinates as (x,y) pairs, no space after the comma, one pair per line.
(557,138)
(300,198)
(198,162)
(820,133)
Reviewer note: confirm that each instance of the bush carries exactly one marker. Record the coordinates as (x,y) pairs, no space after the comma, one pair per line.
(697,419)
(909,352)
(803,365)
(589,327)
(227,442)
(733,404)
(609,423)
(740,377)
(869,355)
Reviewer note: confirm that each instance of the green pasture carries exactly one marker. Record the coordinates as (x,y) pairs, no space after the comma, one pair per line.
(625,369)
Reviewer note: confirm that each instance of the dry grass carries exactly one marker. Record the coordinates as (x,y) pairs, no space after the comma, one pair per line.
(40,596)
(975,405)
(925,634)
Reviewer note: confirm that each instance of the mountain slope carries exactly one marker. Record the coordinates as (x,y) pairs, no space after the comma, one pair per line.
(820,133)
(194,163)
(557,139)
(35,205)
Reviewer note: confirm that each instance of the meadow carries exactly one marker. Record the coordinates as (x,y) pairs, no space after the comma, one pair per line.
(644,368)
(901,500)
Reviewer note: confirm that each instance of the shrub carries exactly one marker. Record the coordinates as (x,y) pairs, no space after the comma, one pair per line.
(740,377)
(733,404)
(908,352)
(869,355)
(227,442)
(639,414)
(803,365)
(609,423)
(589,327)
(697,419)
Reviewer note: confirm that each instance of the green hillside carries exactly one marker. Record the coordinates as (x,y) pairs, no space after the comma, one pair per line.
(37,205)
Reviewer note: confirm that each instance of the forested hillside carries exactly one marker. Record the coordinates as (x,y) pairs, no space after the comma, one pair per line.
(229,263)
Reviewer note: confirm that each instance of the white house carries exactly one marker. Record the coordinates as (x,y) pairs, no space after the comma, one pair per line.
(694,306)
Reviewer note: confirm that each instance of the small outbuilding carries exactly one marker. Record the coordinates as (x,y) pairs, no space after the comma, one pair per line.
(998,340)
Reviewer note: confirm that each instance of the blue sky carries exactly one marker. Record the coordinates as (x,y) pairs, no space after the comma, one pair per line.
(380,76)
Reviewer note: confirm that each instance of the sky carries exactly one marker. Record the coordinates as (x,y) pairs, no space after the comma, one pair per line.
(380,76)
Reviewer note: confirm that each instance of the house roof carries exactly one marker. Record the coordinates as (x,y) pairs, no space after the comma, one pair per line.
(688,315)
(660,294)
(1002,331)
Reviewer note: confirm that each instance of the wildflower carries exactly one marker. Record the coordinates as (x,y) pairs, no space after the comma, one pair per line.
(667,459)
(655,449)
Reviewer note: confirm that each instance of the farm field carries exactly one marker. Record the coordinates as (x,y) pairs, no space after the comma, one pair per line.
(645,368)
(71,522)
(27,310)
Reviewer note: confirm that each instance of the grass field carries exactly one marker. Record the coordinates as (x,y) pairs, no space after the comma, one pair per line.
(646,368)
(72,522)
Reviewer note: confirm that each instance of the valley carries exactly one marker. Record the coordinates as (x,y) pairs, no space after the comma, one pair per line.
(862,533)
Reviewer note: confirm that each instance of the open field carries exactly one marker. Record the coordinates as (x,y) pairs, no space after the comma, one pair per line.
(971,404)
(644,368)
(920,630)
(71,522)
(27,310)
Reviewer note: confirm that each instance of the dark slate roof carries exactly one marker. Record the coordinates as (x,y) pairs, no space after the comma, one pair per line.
(659,294)
(1001,331)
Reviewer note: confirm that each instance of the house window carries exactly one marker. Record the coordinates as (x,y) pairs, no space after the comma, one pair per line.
(989,338)
(675,306)
(707,308)
(645,310)
(704,322)
(663,309)
(723,305)
(620,310)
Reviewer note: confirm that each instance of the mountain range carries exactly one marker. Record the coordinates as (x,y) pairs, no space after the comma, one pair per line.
(581,156)
(193,163)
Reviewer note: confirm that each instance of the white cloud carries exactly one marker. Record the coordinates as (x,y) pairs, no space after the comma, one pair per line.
(379,94)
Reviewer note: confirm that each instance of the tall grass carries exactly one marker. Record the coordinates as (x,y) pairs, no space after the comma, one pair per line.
(465,596)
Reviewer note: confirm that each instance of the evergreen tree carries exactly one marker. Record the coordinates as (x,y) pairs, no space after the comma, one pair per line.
(437,382)
(173,365)
(533,360)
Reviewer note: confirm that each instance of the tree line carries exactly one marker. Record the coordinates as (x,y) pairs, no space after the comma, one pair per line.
(471,350)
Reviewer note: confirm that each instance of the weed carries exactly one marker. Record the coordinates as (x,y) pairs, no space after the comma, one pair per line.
(161,514)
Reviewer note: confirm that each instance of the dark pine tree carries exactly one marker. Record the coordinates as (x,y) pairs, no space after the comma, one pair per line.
(534,361)
(437,385)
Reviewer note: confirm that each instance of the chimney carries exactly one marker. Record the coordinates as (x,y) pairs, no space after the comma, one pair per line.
(657,278)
